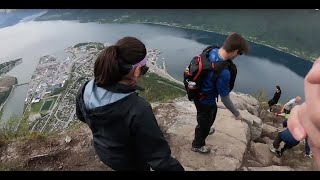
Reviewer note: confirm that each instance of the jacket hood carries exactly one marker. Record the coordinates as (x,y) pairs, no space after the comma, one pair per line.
(102,103)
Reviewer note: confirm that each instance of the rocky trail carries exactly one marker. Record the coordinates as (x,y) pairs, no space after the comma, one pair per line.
(236,145)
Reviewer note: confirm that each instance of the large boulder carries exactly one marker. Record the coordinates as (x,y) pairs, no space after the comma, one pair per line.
(271,168)
(277,108)
(266,116)
(270,118)
(269,131)
(264,106)
(244,168)
(277,161)
(266,140)
(228,143)
(253,163)
(187,168)
(254,123)
(243,102)
(262,153)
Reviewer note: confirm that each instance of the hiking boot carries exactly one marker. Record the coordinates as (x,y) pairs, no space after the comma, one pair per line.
(272,149)
(278,154)
(212,130)
(202,150)
(308,155)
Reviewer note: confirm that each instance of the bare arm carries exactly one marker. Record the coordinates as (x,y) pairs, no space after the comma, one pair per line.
(281,114)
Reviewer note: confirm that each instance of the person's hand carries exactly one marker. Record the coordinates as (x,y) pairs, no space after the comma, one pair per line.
(304,119)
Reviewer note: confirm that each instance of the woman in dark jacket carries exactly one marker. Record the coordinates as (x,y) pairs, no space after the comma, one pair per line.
(275,98)
(125,132)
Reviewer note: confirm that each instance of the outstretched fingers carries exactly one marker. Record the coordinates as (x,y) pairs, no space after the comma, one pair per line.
(295,122)
(313,77)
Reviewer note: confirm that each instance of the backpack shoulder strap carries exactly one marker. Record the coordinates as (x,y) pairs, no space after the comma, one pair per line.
(233,73)
(209,48)
(207,65)
(219,66)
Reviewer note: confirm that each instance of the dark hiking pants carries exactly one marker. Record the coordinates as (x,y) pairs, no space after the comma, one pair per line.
(271,103)
(285,123)
(307,147)
(205,118)
(278,140)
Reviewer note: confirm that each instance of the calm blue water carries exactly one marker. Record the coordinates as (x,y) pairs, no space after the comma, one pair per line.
(264,68)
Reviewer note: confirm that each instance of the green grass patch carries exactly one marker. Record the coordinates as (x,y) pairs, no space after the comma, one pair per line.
(90,46)
(7,133)
(158,89)
(10,166)
(262,97)
(60,90)
(35,107)
(4,167)
(46,106)
(81,44)
(24,107)
(1,112)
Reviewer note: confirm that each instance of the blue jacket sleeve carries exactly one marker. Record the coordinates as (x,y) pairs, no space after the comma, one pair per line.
(223,83)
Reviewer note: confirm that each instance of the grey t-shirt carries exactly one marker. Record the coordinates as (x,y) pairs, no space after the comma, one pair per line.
(290,105)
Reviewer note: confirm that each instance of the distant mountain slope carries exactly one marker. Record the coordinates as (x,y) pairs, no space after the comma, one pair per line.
(9,18)
(294,31)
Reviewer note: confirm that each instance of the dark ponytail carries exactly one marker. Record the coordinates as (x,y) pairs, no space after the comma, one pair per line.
(108,66)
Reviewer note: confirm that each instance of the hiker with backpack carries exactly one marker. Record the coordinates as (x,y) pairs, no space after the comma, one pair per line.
(209,75)
(275,98)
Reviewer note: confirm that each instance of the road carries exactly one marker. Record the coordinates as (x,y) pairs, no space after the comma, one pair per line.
(55,109)
(70,118)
